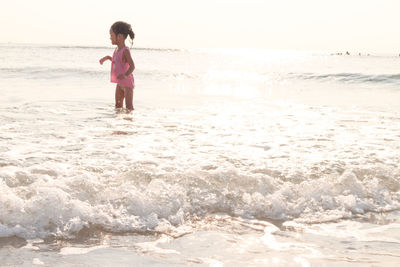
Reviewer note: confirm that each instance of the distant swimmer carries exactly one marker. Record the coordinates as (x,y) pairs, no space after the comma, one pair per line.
(347,53)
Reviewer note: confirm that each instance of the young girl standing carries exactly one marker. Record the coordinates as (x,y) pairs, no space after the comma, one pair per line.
(122,64)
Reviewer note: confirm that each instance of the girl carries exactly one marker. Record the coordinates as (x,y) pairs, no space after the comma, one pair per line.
(122,64)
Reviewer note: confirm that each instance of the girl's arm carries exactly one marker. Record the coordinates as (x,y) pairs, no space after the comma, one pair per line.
(104,59)
(127,58)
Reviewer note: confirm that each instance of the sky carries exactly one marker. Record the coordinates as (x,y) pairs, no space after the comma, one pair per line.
(324,25)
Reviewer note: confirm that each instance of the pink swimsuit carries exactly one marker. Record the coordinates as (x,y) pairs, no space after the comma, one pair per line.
(118,66)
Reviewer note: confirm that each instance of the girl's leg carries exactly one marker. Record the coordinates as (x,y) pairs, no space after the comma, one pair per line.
(119,96)
(129,98)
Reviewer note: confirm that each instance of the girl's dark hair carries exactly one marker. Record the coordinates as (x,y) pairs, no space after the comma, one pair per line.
(123,28)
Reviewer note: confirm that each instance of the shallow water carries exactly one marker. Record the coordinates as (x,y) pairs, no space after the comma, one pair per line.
(286,159)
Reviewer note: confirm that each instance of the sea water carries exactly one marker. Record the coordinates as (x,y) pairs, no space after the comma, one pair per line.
(231,158)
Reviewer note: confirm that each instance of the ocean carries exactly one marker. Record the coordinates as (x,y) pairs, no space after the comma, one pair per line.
(232,157)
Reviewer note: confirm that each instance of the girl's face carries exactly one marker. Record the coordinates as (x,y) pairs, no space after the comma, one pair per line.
(113,37)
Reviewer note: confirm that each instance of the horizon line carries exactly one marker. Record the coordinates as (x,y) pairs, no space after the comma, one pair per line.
(84,46)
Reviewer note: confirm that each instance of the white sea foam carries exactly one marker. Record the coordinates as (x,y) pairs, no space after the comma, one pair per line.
(75,250)
(164,166)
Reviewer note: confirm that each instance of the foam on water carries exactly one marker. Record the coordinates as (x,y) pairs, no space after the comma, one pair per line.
(65,168)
